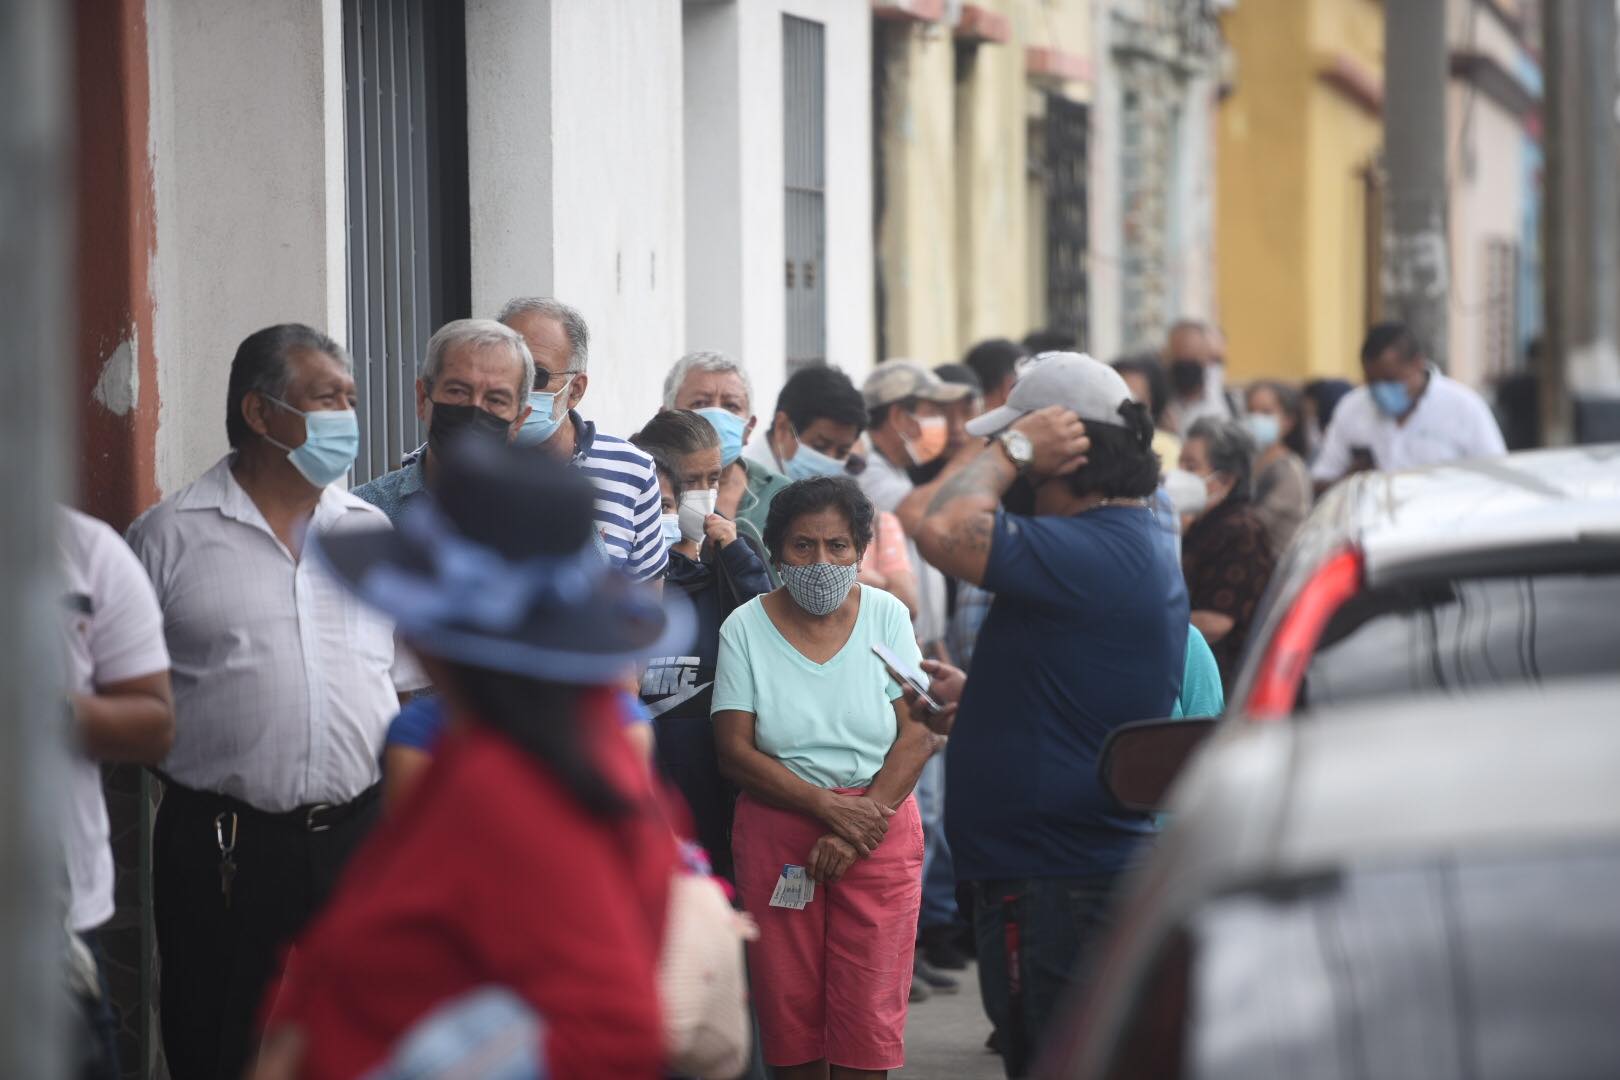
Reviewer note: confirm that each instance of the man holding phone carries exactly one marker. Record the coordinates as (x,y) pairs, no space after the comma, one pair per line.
(1088,631)
(1408,414)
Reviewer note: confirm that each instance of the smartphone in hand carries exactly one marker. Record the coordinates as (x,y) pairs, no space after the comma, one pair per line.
(906,675)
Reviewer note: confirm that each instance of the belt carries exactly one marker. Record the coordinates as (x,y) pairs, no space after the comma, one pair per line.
(310,818)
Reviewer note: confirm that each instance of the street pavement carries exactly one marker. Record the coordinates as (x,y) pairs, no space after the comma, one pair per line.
(945,1037)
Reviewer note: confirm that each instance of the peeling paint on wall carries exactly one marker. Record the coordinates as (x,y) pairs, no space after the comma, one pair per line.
(119,386)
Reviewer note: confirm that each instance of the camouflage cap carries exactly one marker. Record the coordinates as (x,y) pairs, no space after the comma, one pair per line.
(899,380)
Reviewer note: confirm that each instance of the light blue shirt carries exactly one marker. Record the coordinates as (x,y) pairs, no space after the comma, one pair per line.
(1201,693)
(832,724)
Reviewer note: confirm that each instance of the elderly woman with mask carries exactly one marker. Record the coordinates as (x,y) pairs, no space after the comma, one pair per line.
(813,730)
(1226,555)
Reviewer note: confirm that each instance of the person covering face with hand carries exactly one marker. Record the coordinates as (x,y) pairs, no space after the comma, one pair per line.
(1087,632)
(474,382)
(717,388)
(813,730)
(719,569)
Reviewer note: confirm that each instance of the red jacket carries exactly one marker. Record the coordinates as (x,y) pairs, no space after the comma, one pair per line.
(492,874)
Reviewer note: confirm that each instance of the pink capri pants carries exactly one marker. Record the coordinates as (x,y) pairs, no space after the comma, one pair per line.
(832,981)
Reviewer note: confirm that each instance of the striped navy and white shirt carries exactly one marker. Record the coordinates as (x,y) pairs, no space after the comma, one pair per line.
(627,509)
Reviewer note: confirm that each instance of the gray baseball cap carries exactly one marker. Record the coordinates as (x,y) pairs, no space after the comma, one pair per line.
(1092,389)
(898,380)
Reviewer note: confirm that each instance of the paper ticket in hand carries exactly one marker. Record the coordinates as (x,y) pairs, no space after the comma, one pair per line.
(794,889)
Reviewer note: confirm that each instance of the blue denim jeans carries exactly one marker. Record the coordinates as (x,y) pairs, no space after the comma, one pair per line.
(1051,923)
(939,876)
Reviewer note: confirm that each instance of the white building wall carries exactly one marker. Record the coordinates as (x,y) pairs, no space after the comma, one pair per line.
(735,223)
(575,179)
(247,158)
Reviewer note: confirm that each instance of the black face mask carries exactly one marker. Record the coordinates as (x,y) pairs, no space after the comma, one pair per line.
(1020,498)
(1186,377)
(452,423)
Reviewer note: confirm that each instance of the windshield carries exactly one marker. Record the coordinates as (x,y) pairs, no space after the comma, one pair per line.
(1450,636)
(1501,967)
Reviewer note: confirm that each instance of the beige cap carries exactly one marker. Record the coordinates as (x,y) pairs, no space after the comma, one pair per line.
(898,380)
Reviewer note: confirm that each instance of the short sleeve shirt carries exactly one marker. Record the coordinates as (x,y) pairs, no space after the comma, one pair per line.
(627,510)
(1451,422)
(831,724)
(114,631)
(1201,693)
(1088,631)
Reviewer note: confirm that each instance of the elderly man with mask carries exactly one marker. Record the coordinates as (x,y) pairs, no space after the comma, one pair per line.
(284,684)
(1193,354)
(718,389)
(628,529)
(474,381)
(1408,414)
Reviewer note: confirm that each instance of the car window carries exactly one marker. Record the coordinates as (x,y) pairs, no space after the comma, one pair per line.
(1501,967)
(1449,636)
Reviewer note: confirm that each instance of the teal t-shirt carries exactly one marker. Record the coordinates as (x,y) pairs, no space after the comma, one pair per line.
(832,724)
(1201,693)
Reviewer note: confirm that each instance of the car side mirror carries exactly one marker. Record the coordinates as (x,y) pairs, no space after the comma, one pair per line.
(1141,760)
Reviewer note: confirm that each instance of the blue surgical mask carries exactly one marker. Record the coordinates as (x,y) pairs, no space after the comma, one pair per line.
(670,524)
(1391,397)
(541,424)
(331,441)
(808,462)
(1265,428)
(730,427)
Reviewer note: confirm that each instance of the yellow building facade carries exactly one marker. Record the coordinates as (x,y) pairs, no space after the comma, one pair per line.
(960,222)
(1297,217)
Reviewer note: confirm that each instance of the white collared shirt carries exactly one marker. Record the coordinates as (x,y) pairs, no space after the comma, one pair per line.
(284,682)
(1451,422)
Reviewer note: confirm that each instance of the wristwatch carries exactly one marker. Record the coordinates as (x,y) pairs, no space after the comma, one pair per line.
(1020,451)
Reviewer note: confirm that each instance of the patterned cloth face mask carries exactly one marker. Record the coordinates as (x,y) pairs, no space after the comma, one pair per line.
(820,587)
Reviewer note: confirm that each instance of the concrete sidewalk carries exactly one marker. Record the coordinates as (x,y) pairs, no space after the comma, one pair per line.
(945,1037)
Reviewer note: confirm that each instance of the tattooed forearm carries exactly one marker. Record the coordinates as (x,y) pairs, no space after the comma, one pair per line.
(972,534)
(984,475)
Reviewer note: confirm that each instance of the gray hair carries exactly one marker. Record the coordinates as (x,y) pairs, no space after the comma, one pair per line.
(1230,449)
(704,360)
(572,322)
(475,334)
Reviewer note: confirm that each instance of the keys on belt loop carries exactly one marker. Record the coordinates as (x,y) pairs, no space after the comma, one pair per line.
(227,856)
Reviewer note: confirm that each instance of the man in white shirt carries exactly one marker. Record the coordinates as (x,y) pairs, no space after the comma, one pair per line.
(284,686)
(1408,414)
(120,707)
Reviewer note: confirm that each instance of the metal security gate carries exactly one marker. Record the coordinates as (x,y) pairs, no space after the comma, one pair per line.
(1068,297)
(405,113)
(804,139)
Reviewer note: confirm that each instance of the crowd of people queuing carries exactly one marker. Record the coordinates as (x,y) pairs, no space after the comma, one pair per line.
(460,731)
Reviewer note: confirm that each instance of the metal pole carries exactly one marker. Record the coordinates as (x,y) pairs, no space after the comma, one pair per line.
(1580,378)
(34,359)
(1416,274)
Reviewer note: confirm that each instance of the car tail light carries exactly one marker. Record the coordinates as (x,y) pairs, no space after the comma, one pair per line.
(1277,684)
